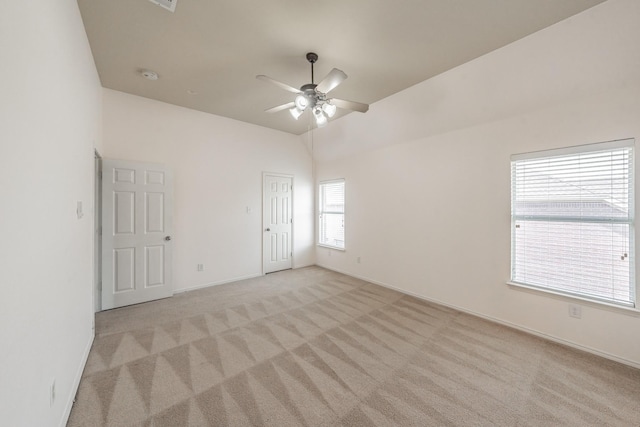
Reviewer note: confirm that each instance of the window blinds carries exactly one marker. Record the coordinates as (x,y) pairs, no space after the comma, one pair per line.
(572,221)
(331,220)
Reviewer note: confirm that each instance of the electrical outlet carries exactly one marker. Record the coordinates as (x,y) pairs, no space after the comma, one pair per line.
(52,392)
(575,311)
(200,267)
(358,260)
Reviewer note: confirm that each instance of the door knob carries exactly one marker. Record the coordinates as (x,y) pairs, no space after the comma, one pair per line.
(167,238)
(267,229)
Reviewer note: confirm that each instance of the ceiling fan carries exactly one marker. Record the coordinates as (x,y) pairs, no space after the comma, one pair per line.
(313,96)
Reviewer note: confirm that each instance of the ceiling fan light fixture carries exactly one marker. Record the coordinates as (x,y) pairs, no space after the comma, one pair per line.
(296,113)
(321,119)
(301,102)
(329,109)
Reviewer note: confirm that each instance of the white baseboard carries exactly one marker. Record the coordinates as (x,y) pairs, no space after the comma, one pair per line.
(499,321)
(303,266)
(221,282)
(76,382)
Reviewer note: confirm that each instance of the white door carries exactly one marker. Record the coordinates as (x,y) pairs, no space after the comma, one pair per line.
(277,217)
(136,232)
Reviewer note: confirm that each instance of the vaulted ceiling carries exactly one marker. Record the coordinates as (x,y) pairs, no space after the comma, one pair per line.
(208,52)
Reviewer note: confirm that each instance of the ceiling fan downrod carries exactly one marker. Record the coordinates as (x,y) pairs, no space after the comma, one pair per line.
(312,58)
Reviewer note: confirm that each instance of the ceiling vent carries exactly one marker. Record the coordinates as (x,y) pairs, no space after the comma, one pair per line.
(170,5)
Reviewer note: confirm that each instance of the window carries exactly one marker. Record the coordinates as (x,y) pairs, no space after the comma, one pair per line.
(331,220)
(572,221)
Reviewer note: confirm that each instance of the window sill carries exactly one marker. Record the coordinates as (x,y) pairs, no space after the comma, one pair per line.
(331,247)
(559,295)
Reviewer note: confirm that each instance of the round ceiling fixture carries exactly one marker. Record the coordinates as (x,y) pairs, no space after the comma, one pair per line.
(149,75)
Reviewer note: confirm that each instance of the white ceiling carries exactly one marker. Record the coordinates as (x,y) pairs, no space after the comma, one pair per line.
(215,48)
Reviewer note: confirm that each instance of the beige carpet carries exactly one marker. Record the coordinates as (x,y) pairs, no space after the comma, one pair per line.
(311,347)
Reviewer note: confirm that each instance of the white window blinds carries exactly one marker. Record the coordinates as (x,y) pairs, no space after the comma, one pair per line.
(572,221)
(331,219)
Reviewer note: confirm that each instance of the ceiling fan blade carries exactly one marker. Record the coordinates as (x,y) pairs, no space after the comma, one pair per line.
(350,105)
(333,79)
(277,83)
(281,107)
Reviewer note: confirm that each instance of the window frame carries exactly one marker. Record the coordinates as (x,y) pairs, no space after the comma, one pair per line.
(321,211)
(630,178)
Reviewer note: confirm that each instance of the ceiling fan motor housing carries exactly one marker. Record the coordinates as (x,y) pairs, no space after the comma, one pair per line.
(309,87)
(314,97)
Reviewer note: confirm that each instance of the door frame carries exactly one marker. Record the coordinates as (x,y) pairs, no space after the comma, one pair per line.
(263,226)
(97,232)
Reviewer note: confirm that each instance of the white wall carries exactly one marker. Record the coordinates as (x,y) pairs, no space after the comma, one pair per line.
(217,165)
(427,171)
(49,121)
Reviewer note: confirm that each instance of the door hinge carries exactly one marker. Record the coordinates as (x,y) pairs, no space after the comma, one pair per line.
(100,174)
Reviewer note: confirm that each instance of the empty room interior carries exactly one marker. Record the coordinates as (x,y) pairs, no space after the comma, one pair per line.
(319,213)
